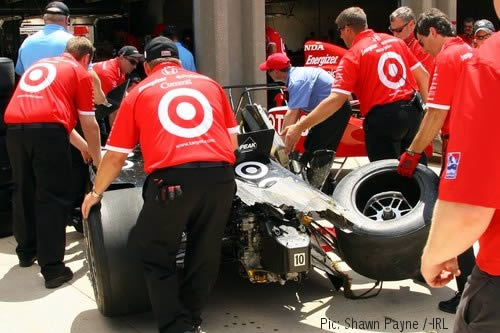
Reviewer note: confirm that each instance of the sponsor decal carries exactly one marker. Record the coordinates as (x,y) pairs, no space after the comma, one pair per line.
(452,163)
(180,108)
(38,77)
(391,70)
(314,47)
(248,145)
(321,61)
(251,170)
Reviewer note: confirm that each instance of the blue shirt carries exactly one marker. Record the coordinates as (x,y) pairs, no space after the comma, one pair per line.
(48,42)
(186,58)
(307,87)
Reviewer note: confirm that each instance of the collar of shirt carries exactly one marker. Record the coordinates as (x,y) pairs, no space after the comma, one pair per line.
(164,65)
(288,76)
(410,40)
(452,41)
(53,27)
(363,34)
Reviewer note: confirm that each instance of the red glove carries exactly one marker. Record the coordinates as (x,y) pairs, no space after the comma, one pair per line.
(408,163)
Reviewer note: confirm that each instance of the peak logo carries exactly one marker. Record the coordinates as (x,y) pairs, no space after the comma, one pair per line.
(314,47)
(248,145)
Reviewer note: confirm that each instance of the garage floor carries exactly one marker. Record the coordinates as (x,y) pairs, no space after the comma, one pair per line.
(235,306)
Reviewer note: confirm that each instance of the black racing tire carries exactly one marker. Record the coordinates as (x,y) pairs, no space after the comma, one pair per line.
(387,250)
(116,275)
(6,77)
(7,85)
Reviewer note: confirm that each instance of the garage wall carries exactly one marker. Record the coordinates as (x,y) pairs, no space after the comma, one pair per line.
(318,16)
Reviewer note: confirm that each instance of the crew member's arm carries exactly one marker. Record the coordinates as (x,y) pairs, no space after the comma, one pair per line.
(422,78)
(325,109)
(92,135)
(99,97)
(234,140)
(290,118)
(76,140)
(111,165)
(466,223)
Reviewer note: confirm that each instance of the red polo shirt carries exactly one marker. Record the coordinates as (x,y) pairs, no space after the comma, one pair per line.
(52,90)
(109,73)
(178,117)
(377,68)
(449,63)
(425,58)
(471,175)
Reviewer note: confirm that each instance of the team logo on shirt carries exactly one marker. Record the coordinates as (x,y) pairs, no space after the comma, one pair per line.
(185,112)
(38,77)
(391,70)
(452,162)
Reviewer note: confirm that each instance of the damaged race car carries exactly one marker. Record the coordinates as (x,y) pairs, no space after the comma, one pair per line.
(281,226)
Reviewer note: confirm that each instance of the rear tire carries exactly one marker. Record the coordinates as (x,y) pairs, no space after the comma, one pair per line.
(386,250)
(116,275)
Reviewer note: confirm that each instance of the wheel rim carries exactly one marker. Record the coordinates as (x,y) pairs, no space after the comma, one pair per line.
(386,206)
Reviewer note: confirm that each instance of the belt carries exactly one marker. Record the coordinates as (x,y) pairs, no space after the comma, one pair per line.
(196,165)
(34,125)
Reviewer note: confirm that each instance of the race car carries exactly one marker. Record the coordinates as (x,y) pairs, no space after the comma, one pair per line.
(280,226)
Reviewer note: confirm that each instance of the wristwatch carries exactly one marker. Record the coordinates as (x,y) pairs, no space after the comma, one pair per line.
(95,194)
(411,153)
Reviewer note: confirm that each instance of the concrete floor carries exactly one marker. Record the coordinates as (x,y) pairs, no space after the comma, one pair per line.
(235,305)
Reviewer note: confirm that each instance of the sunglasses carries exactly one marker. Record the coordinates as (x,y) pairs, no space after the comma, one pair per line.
(482,37)
(339,29)
(398,30)
(132,61)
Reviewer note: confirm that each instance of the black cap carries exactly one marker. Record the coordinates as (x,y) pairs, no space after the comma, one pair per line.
(129,51)
(484,25)
(160,47)
(57,7)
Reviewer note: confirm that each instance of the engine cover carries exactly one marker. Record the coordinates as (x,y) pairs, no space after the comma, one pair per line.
(284,249)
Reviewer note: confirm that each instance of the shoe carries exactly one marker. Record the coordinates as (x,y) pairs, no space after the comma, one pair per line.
(450,305)
(66,275)
(196,329)
(27,262)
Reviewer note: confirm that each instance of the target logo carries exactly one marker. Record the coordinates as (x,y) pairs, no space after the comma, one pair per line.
(251,170)
(185,112)
(38,77)
(391,70)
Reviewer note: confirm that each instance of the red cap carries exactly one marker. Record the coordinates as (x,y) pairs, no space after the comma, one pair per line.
(275,61)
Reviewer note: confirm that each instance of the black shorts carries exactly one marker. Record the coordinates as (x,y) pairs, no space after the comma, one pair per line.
(479,308)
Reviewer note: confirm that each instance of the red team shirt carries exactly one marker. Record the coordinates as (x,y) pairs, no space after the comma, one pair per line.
(449,63)
(52,90)
(474,143)
(272,36)
(178,117)
(425,58)
(377,68)
(109,73)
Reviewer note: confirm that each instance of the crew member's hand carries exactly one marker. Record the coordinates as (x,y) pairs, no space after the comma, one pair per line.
(86,156)
(87,204)
(438,276)
(292,135)
(408,163)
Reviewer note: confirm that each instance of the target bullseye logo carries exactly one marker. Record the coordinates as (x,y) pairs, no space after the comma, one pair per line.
(391,70)
(180,108)
(39,77)
(251,170)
